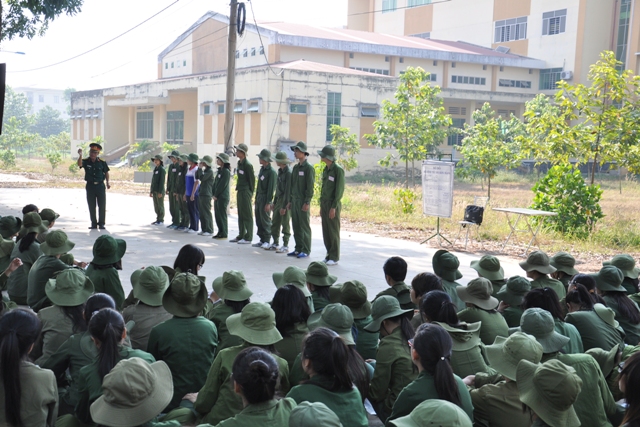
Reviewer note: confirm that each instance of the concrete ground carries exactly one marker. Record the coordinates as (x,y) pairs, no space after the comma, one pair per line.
(129,218)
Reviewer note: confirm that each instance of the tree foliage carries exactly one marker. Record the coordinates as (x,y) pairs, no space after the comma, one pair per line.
(47,122)
(346,145)
(30,18)
(16,106)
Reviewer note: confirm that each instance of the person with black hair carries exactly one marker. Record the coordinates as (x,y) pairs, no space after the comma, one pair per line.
(564,263)
(538,267)
(446,266)
(157,189)
(325,358)
(301,193)
(431,352)
(181,190)
(292,312)
(609,283)
(29,395)
(75,353)
(318,282)
(172,184)
(103,269)
(482,307)
(6,304)
(9,228)
(28,250)
(589,283)
(627,264)
(221,195)
(395,271)
(281,215)
(234,295)
(30,208)
(206,180)
(511,296)
(420,285)
(628,382)
(353,294)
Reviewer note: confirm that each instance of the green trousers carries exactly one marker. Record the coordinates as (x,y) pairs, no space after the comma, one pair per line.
(263,219)
(331,230)
(184,211)
(97,195)
(281,222)
(174,209)
(206,218)
(220,209)
(301,222)
(245,216)
(158,206)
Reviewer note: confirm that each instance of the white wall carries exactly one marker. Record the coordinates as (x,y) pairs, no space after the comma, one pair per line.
(179,62)
(557,50)
(464,20)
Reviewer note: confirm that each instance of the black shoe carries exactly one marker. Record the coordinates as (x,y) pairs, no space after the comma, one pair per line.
(101,227)
(93,227)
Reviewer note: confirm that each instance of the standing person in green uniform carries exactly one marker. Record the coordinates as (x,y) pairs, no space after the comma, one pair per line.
(181,191)
(302,181)
(206,195)
(538,268)
(172,177)
(244,194)
(96,171)
(395,271)
(157,189)
(564,263)
(103,269)
(264,199)
(221,195)
(489,267)
(445,266)
(331,203)
(512,296)
(481,307)
(281,215)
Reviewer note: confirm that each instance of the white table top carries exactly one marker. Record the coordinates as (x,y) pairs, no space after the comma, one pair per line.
(525,211)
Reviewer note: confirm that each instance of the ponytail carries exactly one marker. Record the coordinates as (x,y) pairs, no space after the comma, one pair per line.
(437,306)
(406,328)
(626,307)
(107,327)
(26,241)
(358,372)
(580,296)
(335,364)
(19,330)
(76,315)
(256,372)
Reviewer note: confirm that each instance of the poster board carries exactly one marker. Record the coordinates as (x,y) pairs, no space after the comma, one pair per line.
(437,188)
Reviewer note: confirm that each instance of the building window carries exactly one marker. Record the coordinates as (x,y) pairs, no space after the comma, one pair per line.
(466,80)
(453,65)
(253,51)
(238,107)
(56,99)
(501,69)
(623,33)
(351,55)
(298,108)
(433,77)
(370,111)
(254,107)
(184,63)
(261,50)
(40,98)
(172,65)
(245,53)
(414,3)
(166,65)
(372,70)
(549,78)
(175,126)
(221,108)
(522,84)
(511,29)
(456,138)
(237,54)
(334,111)
(144,125)
(554,22)
(177,64)
(387,6)
(401,60)
(435,63)
(206,109)
(484,68)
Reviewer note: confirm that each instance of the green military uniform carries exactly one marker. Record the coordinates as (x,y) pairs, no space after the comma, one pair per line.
(631,330)
(216,400)
(281,200)
(42,270)
(468,356)
(594,331)
(157,191)
(302,180)
(291,344)
(270,413)
(493,324)
(394,370)
(366,342)
(424,388)
(347,405)
(146,318)
(244,188)
(264,196)
(498,405)
(402,292)
(181,190)
(221,194)
(197,339)
(172,181)
(574,346)
(39,398)
(331,198)
(107,280)
(218,314)
(206,195)
(6,247)
(18,282)
(512,316)
(319,302)
(56,329)
(450,288)
(94,174)
(548,282)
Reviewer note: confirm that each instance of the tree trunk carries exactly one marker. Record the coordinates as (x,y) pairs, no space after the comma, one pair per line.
(593,168)
(489,186)
(413,173)
(406,173)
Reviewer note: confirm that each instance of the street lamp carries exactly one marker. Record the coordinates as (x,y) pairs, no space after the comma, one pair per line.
(11,51)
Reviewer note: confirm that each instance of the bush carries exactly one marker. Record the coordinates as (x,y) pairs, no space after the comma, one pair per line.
(8,158)
(73,168)
(317,184)
(54,159)
(564,191)
(405,198)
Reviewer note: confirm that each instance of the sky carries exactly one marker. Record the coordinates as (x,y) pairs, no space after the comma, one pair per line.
(133,58)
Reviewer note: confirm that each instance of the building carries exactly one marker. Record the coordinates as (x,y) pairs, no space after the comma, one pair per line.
(568,35)
(39,98)
(292,82)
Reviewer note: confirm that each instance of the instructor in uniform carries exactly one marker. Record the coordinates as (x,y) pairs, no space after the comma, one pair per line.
(95,173)
(331,203)
(302,180)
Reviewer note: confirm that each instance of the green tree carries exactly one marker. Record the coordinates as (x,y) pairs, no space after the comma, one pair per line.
(67,98)
(14,138)
(415,124)
(490,144)
(54,159)
(17,106)
(30,18)
(346,145)
(47,122)
(60,143)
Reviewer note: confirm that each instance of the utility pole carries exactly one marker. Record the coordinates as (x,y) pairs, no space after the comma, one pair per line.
(231,78)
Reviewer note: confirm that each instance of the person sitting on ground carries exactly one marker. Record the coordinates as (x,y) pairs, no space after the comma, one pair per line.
(9,228)
(609,284)
(489,267)
(29,395)
(588,281)
(6,303)
(318,281)
(233,295)
(313,414)
(292,313)
(103,269)
(481,307)
(434,412)
(353,294)
(30,208)
(431,352)
(28,250)
(564,263)
(50,216)
(610,362)
(629,380)
(547,299)
(538,269)
(420,285)
(295,276)
(627,265)
(445,265)
(511,297)
(394,369)
(395,271)
(149,285)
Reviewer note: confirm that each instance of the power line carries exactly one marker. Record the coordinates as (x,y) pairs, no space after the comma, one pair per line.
(99,46)
(394,9)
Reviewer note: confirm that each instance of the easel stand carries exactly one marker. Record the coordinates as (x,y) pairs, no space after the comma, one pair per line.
(438,235)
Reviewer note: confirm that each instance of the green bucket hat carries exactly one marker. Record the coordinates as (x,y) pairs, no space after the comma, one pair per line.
(149,285)
(175,154)
(107,250)
(353,294)
(281,157)
(384,307)
(539,323)
(56,243)
(606,314)
(609,278)
(186,296)
(183,157)
(606,359)
(49,215)
(292,276)
(69,288)
(133,393)
(336,317)
(32,223)
(313,414)
(242,147)
(505,353)
(234,286)
(224,157)
(565,262)
(445,265)
(207,160)
(434,412)
(265,155)
(478,292)
(318,274)
(550,389)
(217,285)
(300,146)
(537,261)
(193,158)
(626,264)
(9,226)
(256,324)
(489,267)
(157,157)
(514,290)
(328,152)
